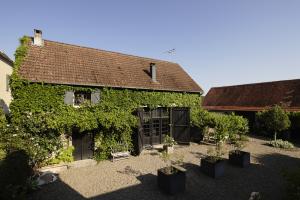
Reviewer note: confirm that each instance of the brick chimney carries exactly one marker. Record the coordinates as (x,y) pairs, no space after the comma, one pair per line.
(37,39)
(153,72)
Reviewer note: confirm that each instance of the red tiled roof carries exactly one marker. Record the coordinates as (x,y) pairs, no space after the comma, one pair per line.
(60,63)
(254,97)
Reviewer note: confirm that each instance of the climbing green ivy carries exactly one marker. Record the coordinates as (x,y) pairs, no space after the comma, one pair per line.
(112,119)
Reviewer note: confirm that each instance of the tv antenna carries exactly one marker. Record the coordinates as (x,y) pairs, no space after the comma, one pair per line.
(171,51)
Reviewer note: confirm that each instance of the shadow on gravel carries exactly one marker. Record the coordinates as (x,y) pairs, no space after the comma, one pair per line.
(236,184)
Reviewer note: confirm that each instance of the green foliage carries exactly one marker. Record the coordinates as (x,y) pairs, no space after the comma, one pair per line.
(281,144)
(38,145)
(169,141)
(16,80)
(3,121)
(224,128)
(64,155)
(274,120)
(293,184)
(238,128)
(15,171)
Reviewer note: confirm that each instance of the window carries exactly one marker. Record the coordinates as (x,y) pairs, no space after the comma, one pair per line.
(7,82)
(81,97)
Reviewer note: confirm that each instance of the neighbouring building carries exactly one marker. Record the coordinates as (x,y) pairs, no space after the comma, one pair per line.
(247,99)
(60,64)
(6,68)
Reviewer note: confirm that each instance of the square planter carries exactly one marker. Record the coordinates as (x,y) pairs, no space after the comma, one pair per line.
(212,168)
(168,149)
(171,183)
(239,158)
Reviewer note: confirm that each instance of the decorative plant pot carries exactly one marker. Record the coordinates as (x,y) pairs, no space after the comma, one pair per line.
(239,158)
(213,168)
(168,149)
(171,182)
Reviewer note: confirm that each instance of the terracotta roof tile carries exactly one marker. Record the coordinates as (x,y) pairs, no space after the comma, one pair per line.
(61,63)
(255,97)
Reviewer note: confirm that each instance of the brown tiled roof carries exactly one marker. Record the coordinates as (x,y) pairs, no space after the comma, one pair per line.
(6,59)
(60,63)
(254,97)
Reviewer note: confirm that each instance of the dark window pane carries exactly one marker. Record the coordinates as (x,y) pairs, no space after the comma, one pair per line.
(81,97)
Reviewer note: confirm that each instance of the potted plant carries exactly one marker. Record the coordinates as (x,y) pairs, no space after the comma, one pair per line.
(171,179)
(169,143)
(238,157)
(213,165)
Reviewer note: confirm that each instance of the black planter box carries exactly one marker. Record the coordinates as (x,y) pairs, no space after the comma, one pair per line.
(171,183)
(239,158)
(214,169)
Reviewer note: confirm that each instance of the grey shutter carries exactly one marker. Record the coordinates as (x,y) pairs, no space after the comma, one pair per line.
(7,82)
(95,97)
(69,97)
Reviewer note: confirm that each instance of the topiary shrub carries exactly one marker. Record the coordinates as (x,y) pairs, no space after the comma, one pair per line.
(14,173)
(274,120)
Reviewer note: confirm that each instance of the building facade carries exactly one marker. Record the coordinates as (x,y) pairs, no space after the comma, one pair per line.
(6,68)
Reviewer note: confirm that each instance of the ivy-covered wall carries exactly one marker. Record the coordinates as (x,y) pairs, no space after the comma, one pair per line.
(112,119)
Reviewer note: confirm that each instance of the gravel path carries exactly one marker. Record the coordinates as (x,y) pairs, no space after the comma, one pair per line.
(135,178)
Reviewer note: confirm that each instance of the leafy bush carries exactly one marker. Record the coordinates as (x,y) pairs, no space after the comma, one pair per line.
(238,128)
(39,143)
(64,155)
(293,184)
(226,127)
(274,120)
(14,173)
(281,144)
(169,141)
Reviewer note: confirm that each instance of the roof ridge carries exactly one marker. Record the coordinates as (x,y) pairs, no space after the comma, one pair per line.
(258,83)
(108,51)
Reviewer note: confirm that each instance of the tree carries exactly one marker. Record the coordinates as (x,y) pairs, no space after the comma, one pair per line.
(274,120)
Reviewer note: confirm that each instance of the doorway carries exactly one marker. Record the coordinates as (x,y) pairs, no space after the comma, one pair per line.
(83,145)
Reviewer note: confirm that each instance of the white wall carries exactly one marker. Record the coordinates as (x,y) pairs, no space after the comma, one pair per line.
(5,95)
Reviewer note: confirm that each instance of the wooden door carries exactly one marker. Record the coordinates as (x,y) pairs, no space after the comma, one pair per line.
(180,118)
(83,145)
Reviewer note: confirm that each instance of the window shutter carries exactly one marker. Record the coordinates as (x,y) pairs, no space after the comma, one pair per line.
(69,97)
(95,97)
(7,82)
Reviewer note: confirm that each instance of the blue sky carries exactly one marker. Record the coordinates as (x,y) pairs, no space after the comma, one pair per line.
(218,42)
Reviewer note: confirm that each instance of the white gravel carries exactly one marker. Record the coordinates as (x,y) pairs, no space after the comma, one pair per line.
(135,178)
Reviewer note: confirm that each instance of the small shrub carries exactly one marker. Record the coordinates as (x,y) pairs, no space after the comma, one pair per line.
(65,155)
(238,128)
(169,141)
(281,144)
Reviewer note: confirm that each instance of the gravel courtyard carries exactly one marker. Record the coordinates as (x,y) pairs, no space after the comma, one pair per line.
(135,178)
